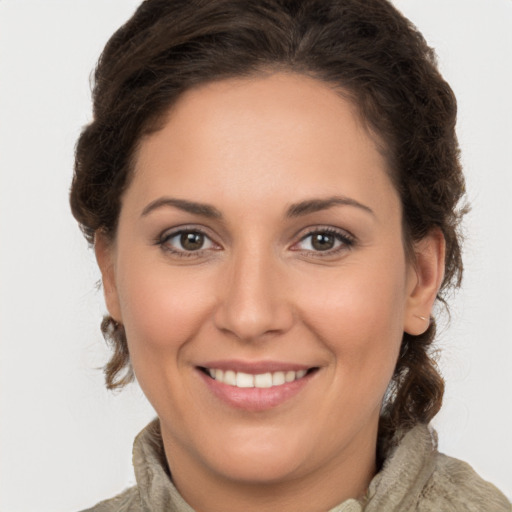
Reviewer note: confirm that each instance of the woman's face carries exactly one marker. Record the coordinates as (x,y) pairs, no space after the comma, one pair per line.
(260,244)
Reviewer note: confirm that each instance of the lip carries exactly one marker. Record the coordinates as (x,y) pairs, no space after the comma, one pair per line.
(255,399)
(254,367)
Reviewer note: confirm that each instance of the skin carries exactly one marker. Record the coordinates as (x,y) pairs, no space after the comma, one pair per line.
(259,290)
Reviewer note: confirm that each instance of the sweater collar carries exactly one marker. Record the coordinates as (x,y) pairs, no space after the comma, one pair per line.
(157,492)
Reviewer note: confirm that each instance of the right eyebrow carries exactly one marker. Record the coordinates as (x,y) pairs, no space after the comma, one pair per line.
(316,205)
(203,209)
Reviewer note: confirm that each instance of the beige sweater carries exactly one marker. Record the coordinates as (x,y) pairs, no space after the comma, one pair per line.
(415,478)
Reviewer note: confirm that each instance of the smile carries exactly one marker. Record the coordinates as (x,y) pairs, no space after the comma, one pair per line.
(260,380)
(256,386)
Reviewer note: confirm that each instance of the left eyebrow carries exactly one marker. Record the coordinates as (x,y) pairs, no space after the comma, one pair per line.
(203,209)
(315,205)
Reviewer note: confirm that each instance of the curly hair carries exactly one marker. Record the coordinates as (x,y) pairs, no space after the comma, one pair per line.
(367,49)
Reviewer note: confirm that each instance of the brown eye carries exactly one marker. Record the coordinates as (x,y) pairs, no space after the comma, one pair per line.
(187,241)
(192,241)
(322,241)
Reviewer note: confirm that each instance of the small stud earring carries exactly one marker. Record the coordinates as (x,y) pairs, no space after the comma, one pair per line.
(421,317)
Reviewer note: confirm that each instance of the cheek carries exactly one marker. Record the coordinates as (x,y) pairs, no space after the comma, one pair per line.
(162,307)
(358,315)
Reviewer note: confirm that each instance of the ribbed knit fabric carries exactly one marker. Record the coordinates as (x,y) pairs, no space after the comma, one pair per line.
(415,478)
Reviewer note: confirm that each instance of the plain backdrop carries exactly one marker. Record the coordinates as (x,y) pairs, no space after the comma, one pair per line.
(65,442)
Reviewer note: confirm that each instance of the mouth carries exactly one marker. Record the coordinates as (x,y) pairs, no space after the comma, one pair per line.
(259,380)
(256,386)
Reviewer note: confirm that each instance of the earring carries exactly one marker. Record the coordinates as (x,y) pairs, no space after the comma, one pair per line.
(421,317)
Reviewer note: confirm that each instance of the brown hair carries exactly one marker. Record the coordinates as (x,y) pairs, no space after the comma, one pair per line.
(366,49)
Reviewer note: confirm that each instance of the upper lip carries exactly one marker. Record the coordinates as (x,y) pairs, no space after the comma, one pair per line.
(255,367)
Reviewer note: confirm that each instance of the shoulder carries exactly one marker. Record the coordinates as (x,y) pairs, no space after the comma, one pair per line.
(455,486)
(127,501)
(416,477)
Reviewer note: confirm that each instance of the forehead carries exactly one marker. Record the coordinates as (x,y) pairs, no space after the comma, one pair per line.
(266,135)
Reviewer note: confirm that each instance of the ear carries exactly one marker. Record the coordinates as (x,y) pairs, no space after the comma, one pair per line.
(424,280)
(104,249)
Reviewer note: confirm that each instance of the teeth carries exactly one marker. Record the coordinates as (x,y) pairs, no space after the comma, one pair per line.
(229,377)
(278,378)
(290,376)
(261,380)
(244,380)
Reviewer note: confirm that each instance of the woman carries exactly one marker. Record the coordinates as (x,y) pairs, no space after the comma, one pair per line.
(272,190)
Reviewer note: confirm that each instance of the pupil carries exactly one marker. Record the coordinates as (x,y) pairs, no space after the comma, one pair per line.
(192,241)
(323,241)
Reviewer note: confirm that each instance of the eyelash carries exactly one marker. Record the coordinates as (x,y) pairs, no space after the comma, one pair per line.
(346,240)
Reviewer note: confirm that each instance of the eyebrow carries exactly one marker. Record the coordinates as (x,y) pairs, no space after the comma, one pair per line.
(295,210)
(315,205)
(202,209)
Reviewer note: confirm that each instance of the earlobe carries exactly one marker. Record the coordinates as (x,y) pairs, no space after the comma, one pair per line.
(428,273)
(104,250)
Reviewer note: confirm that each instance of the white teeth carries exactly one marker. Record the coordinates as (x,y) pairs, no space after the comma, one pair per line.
(229,378)
(244,380)
(261,380)
(290,376)
(278,378)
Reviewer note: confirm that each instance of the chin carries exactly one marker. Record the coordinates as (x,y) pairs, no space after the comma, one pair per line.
(260,468)
(263,455)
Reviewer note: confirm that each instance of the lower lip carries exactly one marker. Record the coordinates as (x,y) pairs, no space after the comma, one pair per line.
(255,399)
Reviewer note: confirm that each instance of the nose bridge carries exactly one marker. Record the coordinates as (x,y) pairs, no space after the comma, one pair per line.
(253,302)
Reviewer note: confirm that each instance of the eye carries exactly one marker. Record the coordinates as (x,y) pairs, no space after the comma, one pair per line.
(324,240)
(186,241)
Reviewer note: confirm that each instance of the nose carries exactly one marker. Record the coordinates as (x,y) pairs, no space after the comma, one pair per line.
(254,301)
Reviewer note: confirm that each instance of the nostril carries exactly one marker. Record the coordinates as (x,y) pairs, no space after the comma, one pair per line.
(251,322)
